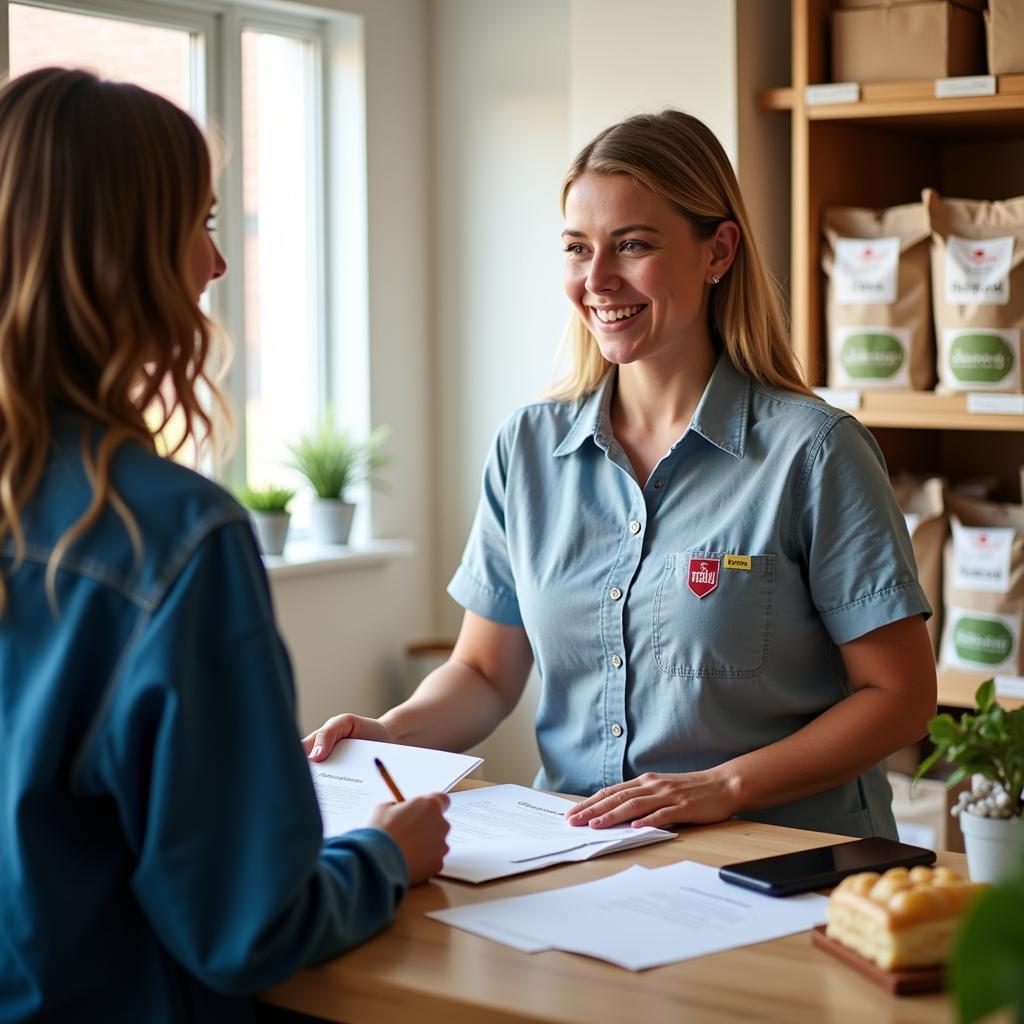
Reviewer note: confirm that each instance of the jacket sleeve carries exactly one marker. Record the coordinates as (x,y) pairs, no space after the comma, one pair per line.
(198,747)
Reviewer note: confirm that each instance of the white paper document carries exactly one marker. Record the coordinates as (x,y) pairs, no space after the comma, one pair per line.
(506,830)
(348,785)
(640,917)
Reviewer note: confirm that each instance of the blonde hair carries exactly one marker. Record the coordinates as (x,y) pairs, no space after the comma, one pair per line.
(677,157)
(103,186)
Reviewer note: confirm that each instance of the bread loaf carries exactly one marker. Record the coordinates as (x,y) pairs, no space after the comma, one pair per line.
(902,918)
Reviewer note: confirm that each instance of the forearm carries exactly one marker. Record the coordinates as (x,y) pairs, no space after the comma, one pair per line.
(454,708)
(840,744)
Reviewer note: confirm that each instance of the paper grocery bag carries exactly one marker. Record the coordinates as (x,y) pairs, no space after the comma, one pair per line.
(983,587)
(878,307)
(923,505)
(977,291)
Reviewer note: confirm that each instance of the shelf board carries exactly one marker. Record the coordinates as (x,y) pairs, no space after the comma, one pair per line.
(926,410)
(957,689)
(914,104)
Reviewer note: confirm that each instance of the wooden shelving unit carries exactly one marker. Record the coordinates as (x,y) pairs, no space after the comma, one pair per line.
(957,689)
(882,151)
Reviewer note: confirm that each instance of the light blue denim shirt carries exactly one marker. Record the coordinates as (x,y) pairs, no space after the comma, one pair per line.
(695,617)
(161,851)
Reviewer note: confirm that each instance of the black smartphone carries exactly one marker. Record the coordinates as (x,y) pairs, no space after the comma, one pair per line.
(823,866)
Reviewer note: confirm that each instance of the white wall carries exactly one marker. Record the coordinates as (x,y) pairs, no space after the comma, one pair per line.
(649,54)
(500,136)
(346,631)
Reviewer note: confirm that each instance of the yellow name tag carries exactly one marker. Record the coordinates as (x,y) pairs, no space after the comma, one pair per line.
(737,562)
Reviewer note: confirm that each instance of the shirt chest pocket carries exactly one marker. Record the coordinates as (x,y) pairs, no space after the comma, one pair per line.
(713,614)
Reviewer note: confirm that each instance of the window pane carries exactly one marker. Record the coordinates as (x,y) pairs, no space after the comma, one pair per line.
(157,58)
(281,266)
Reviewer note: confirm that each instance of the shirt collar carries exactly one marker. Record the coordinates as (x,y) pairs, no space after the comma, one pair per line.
(721,415)
(593,419)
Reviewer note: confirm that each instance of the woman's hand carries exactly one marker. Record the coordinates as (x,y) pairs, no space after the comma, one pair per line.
(319,744)
(695,798)
(418,827)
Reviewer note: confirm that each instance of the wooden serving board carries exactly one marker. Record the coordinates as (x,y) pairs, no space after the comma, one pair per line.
(900,982)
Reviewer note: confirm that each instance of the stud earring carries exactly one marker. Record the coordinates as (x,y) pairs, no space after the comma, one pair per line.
(715,279)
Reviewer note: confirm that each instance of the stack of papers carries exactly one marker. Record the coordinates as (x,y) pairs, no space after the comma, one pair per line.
(348,785)
(506,830)
(640,917)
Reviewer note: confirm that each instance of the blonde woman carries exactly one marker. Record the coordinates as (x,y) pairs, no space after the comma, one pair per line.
(150,872)
(705,562)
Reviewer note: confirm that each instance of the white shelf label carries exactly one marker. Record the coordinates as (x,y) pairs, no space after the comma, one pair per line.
(1003,405)
(1010,686)
(841,398)
(966,85)
(833,92)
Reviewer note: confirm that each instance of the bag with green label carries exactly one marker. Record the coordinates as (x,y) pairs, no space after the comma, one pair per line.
(878,308)
(984,587)
(924,508)
(978,291)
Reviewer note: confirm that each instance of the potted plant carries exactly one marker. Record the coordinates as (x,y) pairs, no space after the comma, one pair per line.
(987,971)
(988,747)
(333,462)
(268,508)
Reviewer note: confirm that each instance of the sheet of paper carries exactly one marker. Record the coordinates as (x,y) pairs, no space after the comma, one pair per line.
(506,830)
(348,786)
(641,918)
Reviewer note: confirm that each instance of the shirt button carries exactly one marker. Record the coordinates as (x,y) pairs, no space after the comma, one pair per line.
(616,661)
(616,729)
(634,527)
(658,484)
(615,593)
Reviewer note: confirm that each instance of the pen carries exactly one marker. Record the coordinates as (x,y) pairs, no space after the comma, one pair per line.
(386,776)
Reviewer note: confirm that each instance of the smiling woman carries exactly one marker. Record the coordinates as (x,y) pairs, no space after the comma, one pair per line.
(706,563)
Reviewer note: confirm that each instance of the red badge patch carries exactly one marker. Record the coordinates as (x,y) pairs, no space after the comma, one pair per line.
(703,575)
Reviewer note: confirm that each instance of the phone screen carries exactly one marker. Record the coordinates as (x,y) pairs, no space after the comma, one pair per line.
(823,866)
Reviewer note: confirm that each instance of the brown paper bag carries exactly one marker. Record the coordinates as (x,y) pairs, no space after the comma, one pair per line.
(983,587)
(921,502)
(878,307)
(978,291)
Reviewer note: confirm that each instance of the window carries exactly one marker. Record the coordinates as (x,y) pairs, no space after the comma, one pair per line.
(260,77)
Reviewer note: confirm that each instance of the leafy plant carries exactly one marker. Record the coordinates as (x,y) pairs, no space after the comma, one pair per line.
(333,461)
(266,499)
(988,962)
(989,743)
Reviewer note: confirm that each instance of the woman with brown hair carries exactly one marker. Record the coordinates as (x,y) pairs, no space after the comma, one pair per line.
(705,563)
(148,871)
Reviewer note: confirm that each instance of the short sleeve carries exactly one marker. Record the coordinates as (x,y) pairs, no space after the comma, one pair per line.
(860,561)
(484,583)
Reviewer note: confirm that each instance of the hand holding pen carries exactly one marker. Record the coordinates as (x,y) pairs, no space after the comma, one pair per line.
(417,826)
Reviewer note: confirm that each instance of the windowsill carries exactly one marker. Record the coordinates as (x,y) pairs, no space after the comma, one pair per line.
(302,558)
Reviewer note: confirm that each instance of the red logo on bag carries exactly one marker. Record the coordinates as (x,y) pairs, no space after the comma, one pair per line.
(703,576)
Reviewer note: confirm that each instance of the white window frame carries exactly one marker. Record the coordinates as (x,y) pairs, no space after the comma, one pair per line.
(337,126)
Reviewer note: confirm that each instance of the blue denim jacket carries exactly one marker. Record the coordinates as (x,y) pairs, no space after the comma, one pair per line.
(160,843)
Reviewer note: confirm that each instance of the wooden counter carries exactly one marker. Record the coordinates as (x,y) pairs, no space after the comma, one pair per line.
(422,971)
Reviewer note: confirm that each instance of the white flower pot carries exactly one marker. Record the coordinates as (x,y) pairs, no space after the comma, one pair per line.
(331,520)
(993,846)
(271,531)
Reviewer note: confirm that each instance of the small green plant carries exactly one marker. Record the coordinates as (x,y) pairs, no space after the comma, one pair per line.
(333,461)
(989,743)
(266,499)
(987,973)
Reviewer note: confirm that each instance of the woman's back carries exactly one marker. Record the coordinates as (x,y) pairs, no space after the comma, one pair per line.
(111,713)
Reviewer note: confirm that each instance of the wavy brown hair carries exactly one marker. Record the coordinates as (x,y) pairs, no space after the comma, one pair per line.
(676,156)
(103,186)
